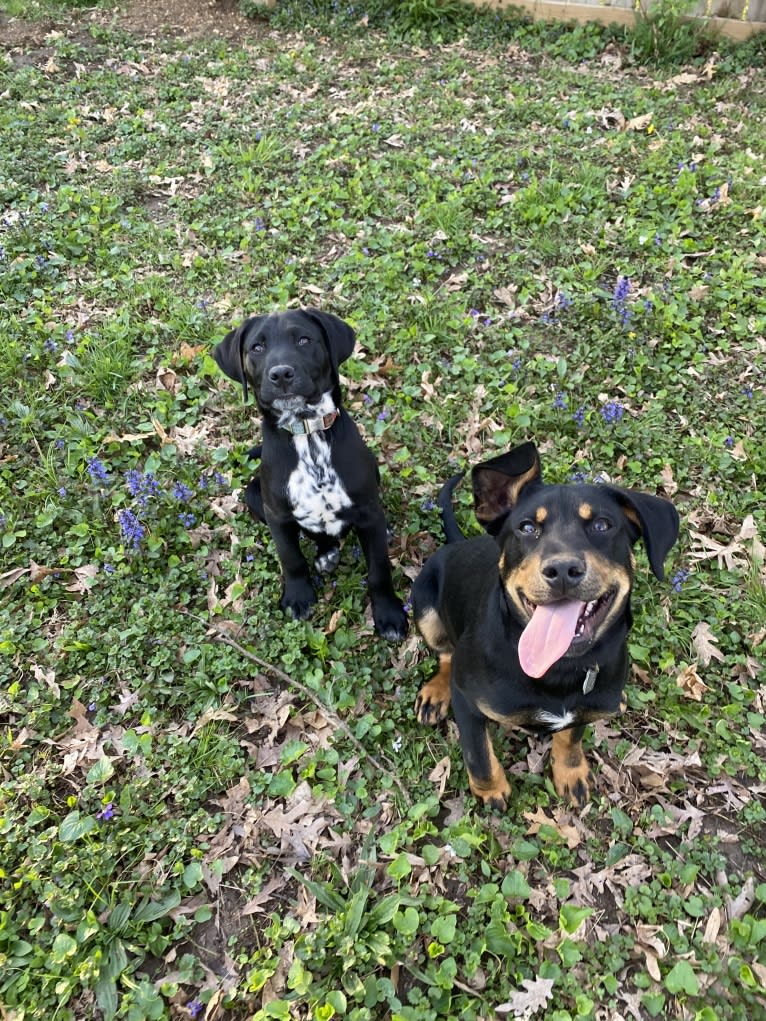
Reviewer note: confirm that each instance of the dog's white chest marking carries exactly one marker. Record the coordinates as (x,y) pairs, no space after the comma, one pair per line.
(315,492)
(554,721)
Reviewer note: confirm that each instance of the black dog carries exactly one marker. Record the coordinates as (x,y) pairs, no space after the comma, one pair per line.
(316,474)
(531,620)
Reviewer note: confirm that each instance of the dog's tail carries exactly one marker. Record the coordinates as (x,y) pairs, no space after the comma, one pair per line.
(452,532)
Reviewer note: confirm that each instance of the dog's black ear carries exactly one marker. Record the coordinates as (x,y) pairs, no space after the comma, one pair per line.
(655,520)
(497,484)
(230,353)
(338,334)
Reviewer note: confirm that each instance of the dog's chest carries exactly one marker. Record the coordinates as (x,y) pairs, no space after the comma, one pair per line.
(316,494)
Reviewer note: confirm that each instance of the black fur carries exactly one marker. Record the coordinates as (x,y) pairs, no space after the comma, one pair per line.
(547,546)
(291,360)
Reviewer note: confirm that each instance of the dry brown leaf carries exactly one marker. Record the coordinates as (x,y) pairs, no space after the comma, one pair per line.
(690,682)
(703,642)
(9,577)
(258,903)
(440,774)
(166,379)
(48,677)
(669,484)
(506,295)
(712,926)
(639,123)
(524,1003)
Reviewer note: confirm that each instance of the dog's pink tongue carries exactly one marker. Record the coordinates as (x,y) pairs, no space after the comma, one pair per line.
(548,635)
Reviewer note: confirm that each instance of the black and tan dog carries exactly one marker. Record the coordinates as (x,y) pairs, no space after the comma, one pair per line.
(317,475)
(531,621)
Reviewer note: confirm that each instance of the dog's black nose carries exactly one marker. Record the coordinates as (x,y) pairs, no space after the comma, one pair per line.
(563,573)
(282,375)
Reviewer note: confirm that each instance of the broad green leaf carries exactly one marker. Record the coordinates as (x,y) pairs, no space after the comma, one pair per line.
(74,826)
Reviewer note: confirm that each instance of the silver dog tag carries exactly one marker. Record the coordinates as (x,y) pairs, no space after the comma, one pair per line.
(590,680)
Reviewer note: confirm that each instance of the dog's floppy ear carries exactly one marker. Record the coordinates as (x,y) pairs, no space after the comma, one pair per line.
(338,334)
(497,484)
(654,519)
(230,353)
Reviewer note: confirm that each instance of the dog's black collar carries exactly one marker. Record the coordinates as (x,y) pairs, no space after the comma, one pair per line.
(307,426)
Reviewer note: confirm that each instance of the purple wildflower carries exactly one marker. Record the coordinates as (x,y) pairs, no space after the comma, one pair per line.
(612,411)
(579,417)
(382,415)
(578,476)
(133,531)
(59,444)
(679,578)
(50,345)
(560,400)
(219,479)
(69,336)
(182,493)
(97,471)
(194,1007)
(729,441)
(106,813)
(62,491)
(109,568)
(619,299)
(748,392)
(91,707)
(187,520)
(141,486)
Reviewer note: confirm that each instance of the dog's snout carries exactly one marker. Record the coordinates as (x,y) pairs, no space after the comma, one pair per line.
(563,573)
(281,375)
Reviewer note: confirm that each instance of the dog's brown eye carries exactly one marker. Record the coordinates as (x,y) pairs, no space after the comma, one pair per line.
(601,524)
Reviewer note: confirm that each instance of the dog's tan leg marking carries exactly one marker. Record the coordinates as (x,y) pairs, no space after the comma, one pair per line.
(495,791)
(572,777)
(432,703)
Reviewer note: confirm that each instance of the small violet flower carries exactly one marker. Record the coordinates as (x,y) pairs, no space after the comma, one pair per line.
(182,493)
(560,401)
(679,578)
(106,813)
(97,471)
(133,532)
(612,411)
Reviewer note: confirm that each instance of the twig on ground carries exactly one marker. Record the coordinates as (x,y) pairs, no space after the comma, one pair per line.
(285,678)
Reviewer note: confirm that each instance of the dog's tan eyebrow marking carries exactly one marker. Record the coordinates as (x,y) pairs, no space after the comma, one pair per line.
(585,511)
(541,514)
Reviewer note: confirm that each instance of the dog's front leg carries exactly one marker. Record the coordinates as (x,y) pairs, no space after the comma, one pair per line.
(387,610)
(298,595)
(572,777)
(486,777)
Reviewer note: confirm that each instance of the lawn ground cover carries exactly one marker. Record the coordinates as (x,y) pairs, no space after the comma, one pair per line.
(209,810)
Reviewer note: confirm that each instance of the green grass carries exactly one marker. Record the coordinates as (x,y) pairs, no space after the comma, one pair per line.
(206,803)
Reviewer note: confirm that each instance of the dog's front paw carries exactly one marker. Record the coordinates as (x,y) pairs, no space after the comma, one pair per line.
(390,620)
(493,793)
(433,701)
(572,776)
(298,599)
(326,562)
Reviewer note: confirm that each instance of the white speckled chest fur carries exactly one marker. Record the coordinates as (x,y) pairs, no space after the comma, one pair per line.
(316,494)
